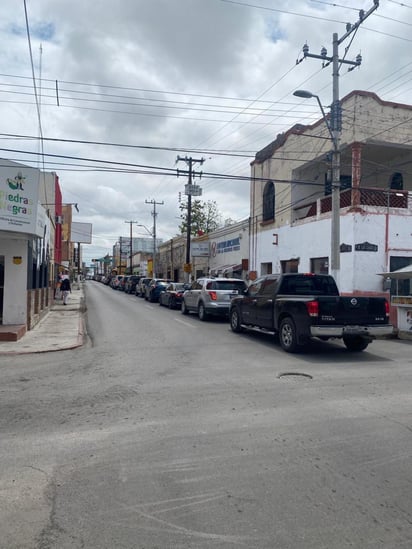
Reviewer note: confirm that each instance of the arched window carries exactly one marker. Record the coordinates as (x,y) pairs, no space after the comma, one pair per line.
(397,181)
(268,201)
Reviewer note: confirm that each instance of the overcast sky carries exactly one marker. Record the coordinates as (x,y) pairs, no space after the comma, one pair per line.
(125,87)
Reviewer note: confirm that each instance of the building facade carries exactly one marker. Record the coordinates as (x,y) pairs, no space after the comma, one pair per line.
(29,200)
(290,197)
(223,252)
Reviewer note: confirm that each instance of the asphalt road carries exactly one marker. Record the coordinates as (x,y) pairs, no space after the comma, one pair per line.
(167,432)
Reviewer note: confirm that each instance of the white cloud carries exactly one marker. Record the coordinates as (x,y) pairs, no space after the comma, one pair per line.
(155,74)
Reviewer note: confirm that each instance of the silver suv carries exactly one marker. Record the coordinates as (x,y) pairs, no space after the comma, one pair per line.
(141,287)
(211,296)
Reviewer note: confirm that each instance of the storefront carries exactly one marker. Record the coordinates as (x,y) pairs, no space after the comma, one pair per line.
(229,250)
(400,283)
(24,243)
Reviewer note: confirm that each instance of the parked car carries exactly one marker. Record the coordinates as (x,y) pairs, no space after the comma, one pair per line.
(115,282)
(130,286)
(122,285)
(141,287)
(211,296)
(172,296)
(154,288)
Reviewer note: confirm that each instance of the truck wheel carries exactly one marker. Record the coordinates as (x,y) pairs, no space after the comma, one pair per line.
(355,344)
(201,311)
(235,320)
(184,309)
(287,336)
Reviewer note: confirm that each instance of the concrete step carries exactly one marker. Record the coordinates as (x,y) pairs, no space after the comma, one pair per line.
(12,332)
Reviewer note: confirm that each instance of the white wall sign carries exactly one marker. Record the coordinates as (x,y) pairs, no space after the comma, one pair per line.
(19,190)
(199,249)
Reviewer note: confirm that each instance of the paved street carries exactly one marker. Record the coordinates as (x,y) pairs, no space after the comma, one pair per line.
(166,432)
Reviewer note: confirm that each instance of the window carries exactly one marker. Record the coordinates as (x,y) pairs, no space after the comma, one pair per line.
(345,183)
(309,285)
(397,181)
(255,287)
(319,265)
(268,202)
(266,268)
(268,287)
(290,266)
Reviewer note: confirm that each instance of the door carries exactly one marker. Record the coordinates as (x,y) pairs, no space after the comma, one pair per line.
(1,287)
(192,295)
(265,303)
(248,303)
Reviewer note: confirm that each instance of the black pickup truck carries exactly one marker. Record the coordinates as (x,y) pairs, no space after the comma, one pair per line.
(298,307)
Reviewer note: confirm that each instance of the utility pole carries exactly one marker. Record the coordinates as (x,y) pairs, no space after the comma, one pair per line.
(190,190)
(336,126)
(154,214)
(120,252)
(131,245)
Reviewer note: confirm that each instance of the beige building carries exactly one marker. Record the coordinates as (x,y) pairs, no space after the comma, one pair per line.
(290,196)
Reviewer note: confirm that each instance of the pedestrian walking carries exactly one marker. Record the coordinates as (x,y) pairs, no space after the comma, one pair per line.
(66,289)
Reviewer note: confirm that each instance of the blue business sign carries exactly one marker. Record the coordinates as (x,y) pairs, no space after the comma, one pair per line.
(232,245)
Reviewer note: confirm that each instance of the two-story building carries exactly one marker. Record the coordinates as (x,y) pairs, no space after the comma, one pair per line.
(291,206)
(29,203)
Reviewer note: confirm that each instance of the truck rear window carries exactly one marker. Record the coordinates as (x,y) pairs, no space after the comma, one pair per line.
(308,285)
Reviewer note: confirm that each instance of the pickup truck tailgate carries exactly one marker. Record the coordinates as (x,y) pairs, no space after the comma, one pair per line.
(352,310)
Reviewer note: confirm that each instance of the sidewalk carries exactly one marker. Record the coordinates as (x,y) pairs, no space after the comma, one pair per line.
(62,328)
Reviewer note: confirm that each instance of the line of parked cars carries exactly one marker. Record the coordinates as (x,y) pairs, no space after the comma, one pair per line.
(291,306)
(206,296)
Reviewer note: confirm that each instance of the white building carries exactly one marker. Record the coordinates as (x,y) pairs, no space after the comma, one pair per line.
(229,250)
(26,242)
(290,197)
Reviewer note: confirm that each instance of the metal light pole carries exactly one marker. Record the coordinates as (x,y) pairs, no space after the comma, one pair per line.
(335,214)
(335,127)
(153,235)
(131,245)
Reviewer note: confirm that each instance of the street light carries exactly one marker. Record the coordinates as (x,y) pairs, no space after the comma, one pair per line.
(152,234)
(131,244)
(335,215)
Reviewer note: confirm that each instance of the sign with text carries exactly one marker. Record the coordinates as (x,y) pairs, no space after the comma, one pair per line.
(200,249)
(19,204)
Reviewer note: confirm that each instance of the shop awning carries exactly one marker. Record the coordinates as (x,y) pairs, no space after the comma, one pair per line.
(400,274)
(231,268)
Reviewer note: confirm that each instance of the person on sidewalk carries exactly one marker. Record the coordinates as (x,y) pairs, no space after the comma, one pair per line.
(66,289)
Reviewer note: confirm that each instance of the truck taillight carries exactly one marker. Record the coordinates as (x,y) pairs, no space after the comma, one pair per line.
(387,308)
(213,296)
(313,308)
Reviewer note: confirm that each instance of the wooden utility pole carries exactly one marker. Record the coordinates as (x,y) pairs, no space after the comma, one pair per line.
(190,190)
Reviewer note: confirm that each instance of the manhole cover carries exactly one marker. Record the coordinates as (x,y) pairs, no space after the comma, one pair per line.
(294,375)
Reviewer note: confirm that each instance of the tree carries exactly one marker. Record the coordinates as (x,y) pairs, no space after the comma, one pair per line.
(205,217)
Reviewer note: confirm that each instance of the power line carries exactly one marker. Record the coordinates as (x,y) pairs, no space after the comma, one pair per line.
(246,154)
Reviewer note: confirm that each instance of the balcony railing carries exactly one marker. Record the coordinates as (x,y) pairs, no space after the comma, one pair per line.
(354,198)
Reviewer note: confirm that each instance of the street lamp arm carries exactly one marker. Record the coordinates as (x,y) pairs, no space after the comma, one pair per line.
(308,95)
(144,226)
